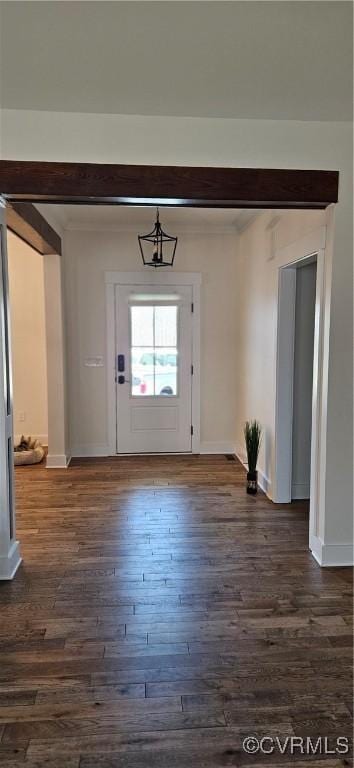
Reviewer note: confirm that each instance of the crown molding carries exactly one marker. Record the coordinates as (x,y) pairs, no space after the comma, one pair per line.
(237,228)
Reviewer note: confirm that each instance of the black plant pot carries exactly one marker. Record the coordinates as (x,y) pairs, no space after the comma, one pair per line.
(252,484)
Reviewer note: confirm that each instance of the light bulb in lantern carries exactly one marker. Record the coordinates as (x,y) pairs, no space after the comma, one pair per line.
(155,255)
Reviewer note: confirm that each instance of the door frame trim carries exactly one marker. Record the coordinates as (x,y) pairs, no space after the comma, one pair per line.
(308,248)
(150,277)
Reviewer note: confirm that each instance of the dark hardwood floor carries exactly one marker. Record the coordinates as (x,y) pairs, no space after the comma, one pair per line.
(161,615)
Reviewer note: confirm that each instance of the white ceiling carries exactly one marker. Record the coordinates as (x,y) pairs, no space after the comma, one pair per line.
(276,60)
(141,219)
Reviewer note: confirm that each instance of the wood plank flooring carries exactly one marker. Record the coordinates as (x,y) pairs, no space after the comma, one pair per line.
(161,615)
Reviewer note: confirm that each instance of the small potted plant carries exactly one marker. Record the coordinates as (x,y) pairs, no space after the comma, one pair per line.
(253,434)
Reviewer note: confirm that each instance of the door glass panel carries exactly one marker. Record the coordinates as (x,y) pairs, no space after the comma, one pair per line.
(143,370)
(165,326)
(154,366)
(166,371)
(142,326)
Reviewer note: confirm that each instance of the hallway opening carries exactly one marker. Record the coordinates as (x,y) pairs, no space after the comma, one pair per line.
(28,336)
(305,306)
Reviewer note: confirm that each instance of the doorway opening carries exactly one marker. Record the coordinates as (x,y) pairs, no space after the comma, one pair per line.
(305,304)
(302,345)
(28,335)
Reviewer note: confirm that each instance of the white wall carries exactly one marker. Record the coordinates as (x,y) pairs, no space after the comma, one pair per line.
(58,429)
(87,256)
(256,322)
(29,363)
(58,440)
(303,378)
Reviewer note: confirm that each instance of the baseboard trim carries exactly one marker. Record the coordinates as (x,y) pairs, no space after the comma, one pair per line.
(59,461)
(241,455)
(9,563)
(331,555)
(90,451)
(265,484)
(218,446)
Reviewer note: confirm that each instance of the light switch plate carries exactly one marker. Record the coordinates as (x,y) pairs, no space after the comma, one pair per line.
(93,362)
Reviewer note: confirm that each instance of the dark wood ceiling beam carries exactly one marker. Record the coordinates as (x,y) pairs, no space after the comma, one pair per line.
(27,223)
(167,185)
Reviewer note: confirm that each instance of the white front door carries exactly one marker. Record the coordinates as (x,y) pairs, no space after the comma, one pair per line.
(154,368)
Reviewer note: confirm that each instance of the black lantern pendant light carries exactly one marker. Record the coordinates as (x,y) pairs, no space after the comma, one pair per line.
(157,247)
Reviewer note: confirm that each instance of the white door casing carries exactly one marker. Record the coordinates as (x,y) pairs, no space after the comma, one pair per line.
(154,408)
(312,246)
(9,548)
(140,418)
